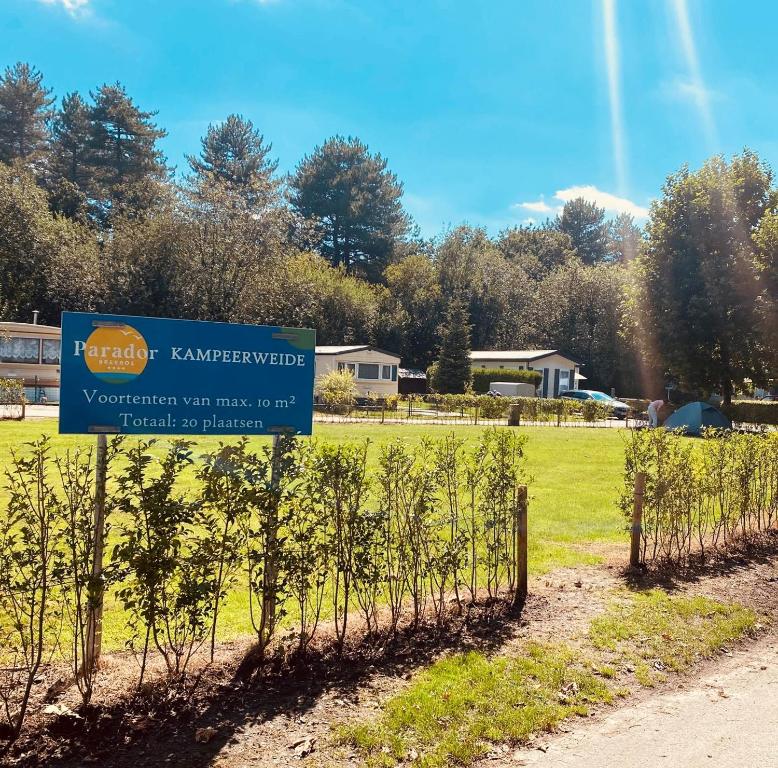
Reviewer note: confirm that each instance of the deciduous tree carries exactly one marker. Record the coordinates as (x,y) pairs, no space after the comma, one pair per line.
(699,280)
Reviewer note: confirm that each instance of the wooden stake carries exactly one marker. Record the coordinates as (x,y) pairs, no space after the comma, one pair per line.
(637,520)
(521,546)
(514,415)
(97,588)
(271,560)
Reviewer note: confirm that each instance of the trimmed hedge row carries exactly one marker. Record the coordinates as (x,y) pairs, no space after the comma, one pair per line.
(482,377)
(752,412)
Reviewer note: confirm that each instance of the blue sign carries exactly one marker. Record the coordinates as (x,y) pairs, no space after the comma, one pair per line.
(146,375)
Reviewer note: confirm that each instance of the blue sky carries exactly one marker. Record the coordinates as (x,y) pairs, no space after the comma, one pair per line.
(490,112)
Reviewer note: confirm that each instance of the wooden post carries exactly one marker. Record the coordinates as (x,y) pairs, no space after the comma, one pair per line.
(270,576)
(97,588)
(521,546)
(514,415)
(383,409)
(637,520)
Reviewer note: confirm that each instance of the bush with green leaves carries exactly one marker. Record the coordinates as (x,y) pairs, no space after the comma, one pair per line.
(700,494)
(337,388)
(31,575)
(162,560)
(307,524)
(12,399)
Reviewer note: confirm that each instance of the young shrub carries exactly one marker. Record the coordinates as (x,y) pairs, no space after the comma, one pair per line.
(163,566)
(226,496)
(338,389)
(308,552)
(452,539)
(394,464)
(503,473)
(340,472)
(274,474)
(75,472)
(30,575)
(12,399)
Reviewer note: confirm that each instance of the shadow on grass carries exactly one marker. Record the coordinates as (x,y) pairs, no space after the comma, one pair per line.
(160,726)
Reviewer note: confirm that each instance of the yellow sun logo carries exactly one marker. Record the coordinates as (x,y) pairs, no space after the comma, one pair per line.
(116,354)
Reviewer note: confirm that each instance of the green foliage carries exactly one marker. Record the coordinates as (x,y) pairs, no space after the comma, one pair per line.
(24,111)
(453,372)
(482,377)
(31,562)
(416,294)
(337,388)
(584,223)
(11,398)
(700,495)
(163,567)
(234,154)
(47,263)
(752,412)
(537,250)
(698,281)
(354,201)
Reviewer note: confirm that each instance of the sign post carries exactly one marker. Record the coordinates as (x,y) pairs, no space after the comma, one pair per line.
(144,375)
(96,588)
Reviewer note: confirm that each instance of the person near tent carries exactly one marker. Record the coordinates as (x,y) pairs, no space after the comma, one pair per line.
(653,412)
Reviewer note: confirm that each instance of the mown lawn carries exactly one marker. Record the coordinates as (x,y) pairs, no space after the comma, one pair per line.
(575,479)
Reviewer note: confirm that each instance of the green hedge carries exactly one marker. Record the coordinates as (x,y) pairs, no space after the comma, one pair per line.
(752,412)
(482,377)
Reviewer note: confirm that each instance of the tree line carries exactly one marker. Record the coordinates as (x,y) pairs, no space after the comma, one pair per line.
(92,217)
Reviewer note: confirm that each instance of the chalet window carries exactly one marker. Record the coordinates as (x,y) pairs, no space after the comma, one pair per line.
(50,354)
(368,371)
(20,350)
(348,367)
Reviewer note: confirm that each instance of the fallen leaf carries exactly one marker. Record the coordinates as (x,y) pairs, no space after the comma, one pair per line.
(61,710)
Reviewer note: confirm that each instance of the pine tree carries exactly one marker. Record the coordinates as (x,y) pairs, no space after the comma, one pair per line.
(127,163)
(71,152)
(70,177)
(454,373)
(585,223)
(234,154)
(24,112)
(355,202)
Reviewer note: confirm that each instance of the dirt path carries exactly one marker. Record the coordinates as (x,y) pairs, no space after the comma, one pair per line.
(727,717)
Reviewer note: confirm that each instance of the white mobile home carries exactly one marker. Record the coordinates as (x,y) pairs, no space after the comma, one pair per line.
(375,370)
(30,352)
(559,372)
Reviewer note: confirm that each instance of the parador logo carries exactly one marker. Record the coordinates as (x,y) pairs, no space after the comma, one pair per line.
(115,353)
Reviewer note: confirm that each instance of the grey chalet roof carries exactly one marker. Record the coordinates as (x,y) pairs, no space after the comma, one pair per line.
(343,349)
(518,355)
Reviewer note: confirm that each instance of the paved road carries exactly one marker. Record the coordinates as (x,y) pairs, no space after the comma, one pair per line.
(725,719)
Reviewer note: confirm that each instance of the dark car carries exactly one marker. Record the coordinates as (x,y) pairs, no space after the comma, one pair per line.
(620,410)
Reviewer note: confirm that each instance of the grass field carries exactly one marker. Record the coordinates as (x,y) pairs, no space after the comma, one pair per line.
(575,473)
